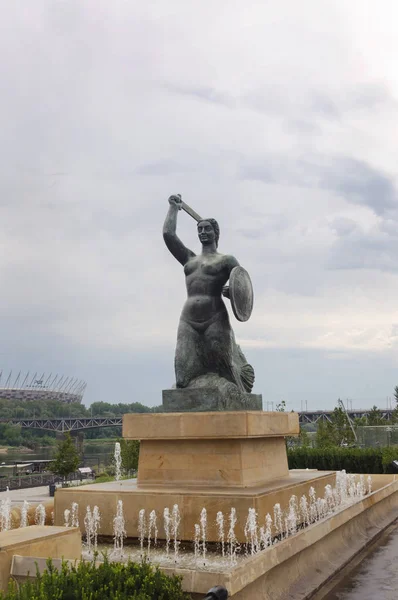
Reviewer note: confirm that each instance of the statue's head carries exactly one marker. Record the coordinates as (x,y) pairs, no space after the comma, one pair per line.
(208,231)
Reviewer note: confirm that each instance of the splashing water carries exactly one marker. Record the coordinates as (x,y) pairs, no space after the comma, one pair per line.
(196,543)
(74,515)
(24,514)
(292,516)
(203,528)
(305,515)
(297,515)
(66,517)
(91,524)
(40,515)
(152,530)
(96,526)
(5,514)
(119,530)
(88,526)
(220,530)
(231,537)
(142,529)
(118,461)
(313,507)
(266,533)
(369,484)
(175,523)
(167,526)
(278,520)
(251,532)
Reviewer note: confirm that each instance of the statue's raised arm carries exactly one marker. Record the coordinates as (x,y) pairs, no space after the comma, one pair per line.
(172,241)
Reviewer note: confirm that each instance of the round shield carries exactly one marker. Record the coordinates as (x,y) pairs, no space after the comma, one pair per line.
(241,293)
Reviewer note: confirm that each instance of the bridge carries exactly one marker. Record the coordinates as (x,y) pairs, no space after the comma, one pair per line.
(313,416)
(81,423)
(65,424)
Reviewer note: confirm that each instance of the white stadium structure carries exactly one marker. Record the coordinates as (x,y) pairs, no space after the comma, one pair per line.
(41,387)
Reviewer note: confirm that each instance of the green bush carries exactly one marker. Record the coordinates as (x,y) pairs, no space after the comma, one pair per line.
(353,460)
(110,581)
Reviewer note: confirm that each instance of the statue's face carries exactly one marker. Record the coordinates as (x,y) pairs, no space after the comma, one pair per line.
(206,233)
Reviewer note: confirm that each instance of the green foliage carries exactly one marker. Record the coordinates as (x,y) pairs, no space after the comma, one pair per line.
(105,409)
(10,435)
(396,394)
(111,581)
(374,417)
(281,407)
(66,459)
(353,460)
(335,432)
(130,450)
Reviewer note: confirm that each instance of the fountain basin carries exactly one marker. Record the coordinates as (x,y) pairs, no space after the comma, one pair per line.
(299,565)
(190,501)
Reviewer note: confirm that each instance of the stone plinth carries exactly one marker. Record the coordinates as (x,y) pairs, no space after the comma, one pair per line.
(229,449)
(36,540)
(206,399)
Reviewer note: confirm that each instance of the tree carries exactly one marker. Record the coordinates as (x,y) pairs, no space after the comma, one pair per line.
(281,407)
(130,450)
(336,432)
(374,417)
(396,394)
(66,458)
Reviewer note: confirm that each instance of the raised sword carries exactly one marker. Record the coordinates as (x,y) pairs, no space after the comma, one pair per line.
(189,210)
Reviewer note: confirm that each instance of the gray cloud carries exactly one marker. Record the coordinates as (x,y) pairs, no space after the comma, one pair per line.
(108,108)
(354,180)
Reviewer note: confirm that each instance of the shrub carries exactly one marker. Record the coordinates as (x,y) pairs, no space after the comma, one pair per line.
(353,460)
(113,581)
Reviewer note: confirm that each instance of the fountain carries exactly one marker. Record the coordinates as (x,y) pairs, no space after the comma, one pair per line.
(119,531)
(118,461)
(220,527)
(24,514)
(92,522)
(66,517)
(74,515)
(40,515)
(142,529)
(152,530)
(5,514)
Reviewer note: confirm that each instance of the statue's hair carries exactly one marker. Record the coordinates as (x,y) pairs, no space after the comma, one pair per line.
(216,227)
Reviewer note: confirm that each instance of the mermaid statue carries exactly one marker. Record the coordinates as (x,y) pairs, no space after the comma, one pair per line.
(207,355)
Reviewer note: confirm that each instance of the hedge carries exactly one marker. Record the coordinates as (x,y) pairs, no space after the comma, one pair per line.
(353,460)
(110,581)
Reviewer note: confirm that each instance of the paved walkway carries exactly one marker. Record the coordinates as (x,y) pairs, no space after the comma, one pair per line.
(33,495)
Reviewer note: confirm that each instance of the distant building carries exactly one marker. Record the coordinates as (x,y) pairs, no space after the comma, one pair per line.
(28,387)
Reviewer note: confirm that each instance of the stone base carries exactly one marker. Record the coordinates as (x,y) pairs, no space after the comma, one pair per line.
(207,399)
(36,540)
(230,449)
(190,502)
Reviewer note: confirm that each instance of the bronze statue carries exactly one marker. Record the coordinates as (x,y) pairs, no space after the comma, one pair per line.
(207,354)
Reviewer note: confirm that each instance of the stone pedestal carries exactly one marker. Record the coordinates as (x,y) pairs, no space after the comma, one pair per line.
(228,449)
(208,399)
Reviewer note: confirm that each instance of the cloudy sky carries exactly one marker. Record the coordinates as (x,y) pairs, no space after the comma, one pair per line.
(279,119)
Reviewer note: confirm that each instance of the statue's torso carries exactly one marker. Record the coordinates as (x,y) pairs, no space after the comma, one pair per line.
(205,278)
